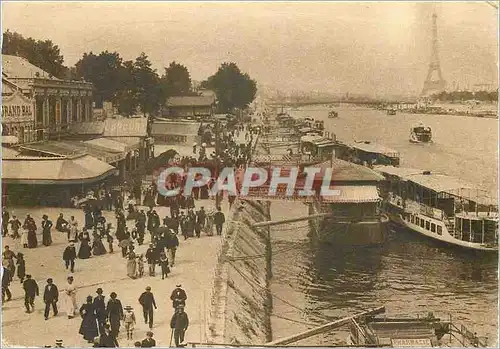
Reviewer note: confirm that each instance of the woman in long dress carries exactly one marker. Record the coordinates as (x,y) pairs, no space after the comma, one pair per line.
(131,265)
(46,226)
(30,226)
(89,220)
(84,252)
(88,328)
(70,298)
(97,245)
(24,238)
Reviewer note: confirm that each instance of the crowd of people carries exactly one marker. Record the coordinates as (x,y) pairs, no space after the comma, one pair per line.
(96,236)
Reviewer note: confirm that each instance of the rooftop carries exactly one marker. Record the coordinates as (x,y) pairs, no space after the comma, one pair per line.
(440,183)
(370,147)
(125,127)
(21,68)
(164,127)
(188,101)
(345,171)
(52,170)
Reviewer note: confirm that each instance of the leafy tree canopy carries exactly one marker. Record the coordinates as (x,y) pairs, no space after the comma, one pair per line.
(233,88)
(176,80)
(42,53)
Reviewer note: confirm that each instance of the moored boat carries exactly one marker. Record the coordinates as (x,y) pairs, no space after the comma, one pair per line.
(391,111)
(333,114)
(417,332)
(420,134)
(441,207)
(369,153)
(356,218)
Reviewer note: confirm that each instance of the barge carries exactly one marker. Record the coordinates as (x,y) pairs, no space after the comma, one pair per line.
(441,208)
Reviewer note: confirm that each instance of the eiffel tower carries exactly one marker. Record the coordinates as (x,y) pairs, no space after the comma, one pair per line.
(434,84)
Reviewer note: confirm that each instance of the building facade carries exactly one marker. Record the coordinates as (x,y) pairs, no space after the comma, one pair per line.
(189,107)
(56,103)
(17,114)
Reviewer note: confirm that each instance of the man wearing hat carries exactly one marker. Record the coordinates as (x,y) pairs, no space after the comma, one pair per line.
(115,313)
(100,310)
(178,296)
(108,340)
(179,325)
(148,342)
(50,297)
(69,256)
(152,259)
(147,300)
(30,291)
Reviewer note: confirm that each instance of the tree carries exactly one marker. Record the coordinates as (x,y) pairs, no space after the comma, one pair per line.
(232,88)
(126,96)
(147,85)
(176,81)
(105,72)
(43,54)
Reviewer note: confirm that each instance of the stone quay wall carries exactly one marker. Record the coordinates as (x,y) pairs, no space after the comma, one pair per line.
(240,300)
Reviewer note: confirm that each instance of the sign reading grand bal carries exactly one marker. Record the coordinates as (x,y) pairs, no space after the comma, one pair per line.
(17,108)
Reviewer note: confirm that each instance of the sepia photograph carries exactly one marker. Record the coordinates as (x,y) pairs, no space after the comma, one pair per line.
(225,174)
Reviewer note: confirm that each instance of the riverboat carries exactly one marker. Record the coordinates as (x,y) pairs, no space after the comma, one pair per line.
(355,216)
(332,114)
(369,154)
(441,208)
(391,111)
(417,332)
(420,134)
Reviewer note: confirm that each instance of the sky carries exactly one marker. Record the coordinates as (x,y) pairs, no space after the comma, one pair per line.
(377,48)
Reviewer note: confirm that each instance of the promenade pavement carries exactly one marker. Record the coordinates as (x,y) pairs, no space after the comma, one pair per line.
(194,266)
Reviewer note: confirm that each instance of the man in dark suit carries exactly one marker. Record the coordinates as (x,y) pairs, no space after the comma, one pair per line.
(69,256)
(178,296)
(149,342)
(179,325)
(115,314)
(147,300)
(100,310)
(219,220)
(6,279)
(50,297)
(107,339)
(30,291)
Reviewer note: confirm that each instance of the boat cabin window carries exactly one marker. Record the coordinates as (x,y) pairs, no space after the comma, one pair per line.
(412,218)
(433,227)
(439,230)
(427,225)
(422,223)
(417,220)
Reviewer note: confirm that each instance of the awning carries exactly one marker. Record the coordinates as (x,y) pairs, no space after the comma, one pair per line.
(132,143)
(10,140)
(108,144)
(61,171)
(353,194)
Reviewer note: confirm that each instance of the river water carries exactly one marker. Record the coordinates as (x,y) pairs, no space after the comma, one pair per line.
(409,275)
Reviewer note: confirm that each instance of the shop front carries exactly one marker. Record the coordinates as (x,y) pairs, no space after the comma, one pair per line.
(18,117)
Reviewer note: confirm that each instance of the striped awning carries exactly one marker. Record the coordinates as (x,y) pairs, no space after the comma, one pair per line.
(80,169)
(343,194)
(353,194)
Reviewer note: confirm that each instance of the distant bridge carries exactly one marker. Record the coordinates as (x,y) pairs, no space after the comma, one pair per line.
(313,102)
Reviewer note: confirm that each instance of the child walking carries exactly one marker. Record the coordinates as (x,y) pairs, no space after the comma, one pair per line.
(129,321)
(164,266)
(140,266)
